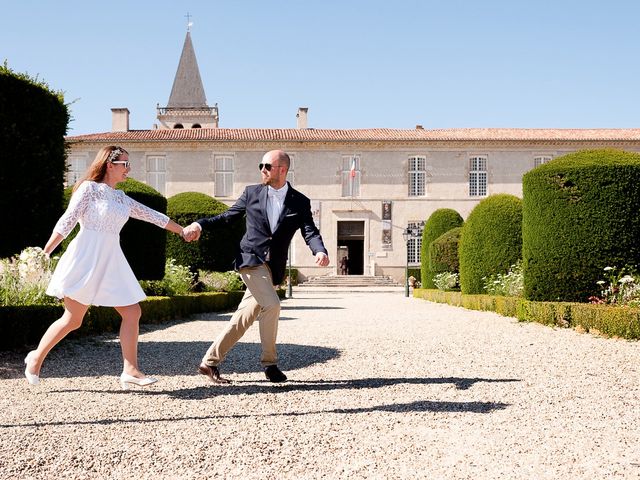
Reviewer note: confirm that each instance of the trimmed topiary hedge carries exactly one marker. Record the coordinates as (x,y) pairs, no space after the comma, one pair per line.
(143,244)
(440,221)
(580,214)
(215,250)
(443,252)
(33,123)
(490,241)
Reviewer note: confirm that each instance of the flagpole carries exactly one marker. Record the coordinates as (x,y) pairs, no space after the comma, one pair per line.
(352,176)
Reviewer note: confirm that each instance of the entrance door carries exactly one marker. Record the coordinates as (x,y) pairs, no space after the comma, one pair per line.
(351,246)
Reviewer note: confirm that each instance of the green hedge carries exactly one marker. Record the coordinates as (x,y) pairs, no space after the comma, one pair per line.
(439,222)
(214,251)
(604,320)
(443,252)
(144,244)
(21,326)
(33,123)
(580,214)
(491,240)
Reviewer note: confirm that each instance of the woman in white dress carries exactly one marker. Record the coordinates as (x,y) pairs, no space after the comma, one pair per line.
(93,270)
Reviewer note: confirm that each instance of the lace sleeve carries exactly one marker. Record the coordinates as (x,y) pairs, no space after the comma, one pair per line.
(77,205)
(146,214)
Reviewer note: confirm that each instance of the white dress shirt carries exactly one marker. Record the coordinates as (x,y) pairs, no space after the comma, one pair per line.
(275,204)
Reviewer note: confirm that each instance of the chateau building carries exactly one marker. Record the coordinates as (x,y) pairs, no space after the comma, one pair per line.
(367,186)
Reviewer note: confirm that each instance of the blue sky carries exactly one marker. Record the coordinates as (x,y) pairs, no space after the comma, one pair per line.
(353,63)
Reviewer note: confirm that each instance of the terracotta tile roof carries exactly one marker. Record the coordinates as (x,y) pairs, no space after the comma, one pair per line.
(373,134)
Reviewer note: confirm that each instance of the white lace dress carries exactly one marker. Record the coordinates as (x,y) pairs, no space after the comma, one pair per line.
(93,270)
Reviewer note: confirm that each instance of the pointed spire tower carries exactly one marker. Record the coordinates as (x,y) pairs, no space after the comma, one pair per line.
(187,106)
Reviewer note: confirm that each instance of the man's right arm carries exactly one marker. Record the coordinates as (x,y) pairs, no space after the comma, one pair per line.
(237,210)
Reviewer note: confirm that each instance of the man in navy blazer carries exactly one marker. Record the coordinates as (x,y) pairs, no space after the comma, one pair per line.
(274,211)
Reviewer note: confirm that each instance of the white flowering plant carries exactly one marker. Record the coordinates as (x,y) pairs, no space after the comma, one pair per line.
(510,284)
(178,280)
(621,287)
(24,278)
(447,281)
(220,281)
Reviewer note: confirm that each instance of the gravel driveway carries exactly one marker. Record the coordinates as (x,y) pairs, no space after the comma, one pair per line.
(381,386)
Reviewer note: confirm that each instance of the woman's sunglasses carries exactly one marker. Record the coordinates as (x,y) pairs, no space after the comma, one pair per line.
(126,163)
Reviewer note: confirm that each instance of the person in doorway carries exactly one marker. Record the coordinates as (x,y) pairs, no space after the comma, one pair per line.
(344,266)
(273,211)
(93,270)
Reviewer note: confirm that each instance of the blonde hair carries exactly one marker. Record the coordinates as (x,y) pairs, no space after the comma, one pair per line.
(98,168)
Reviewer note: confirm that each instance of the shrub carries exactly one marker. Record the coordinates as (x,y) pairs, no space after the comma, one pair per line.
(446,281)
(443,252)
(24,325)
(490,241)
(177,280)
(510,284)
(24,279)
(143,244)
(580,213)
(622,287)
(440,221)
(221,281)
(606,320)
(33,123)
(215,250)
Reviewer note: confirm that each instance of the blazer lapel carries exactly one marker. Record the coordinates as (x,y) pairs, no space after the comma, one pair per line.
(288,200)
(263,206)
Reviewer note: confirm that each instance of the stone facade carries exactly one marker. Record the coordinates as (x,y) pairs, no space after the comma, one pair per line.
(367,186)
(319,171)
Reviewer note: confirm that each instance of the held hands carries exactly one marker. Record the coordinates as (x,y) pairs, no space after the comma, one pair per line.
(322,259)
(192,232)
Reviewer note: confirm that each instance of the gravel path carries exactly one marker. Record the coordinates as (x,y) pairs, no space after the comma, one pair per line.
(381,386)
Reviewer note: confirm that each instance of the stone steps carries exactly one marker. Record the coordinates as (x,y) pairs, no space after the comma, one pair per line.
(350,281)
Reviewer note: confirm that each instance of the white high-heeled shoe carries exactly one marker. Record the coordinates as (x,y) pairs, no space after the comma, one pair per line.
(127,380)
(31,378)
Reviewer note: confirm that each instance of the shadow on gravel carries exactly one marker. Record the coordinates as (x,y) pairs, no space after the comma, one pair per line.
(418,406)
(422,406)
(101,356)
(250,388)
(284,307)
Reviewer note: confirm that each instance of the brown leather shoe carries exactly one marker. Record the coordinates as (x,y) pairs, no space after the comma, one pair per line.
(213,373)
(273,373)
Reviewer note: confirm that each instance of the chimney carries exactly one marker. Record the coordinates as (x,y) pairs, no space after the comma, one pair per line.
(119,119)
(419,127)
(302,117)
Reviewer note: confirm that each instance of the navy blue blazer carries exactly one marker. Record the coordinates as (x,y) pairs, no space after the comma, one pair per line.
(259,241)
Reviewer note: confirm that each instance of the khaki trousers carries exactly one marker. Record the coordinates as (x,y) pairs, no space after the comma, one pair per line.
(260,302)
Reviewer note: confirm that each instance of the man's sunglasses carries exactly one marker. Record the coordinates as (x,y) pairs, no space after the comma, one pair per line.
(268,166)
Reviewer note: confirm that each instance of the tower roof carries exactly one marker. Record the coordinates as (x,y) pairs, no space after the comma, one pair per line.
(187,90)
